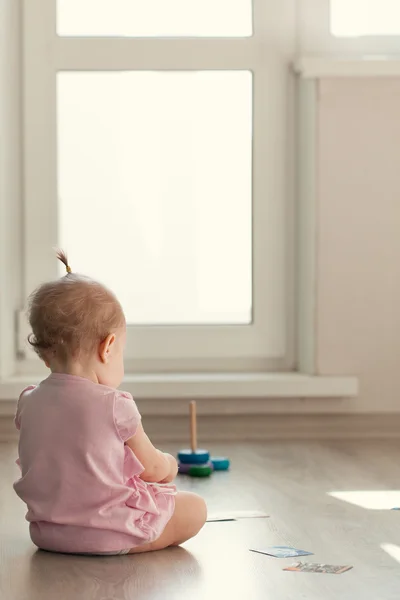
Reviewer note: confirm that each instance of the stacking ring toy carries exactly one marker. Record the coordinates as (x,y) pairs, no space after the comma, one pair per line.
(194,461)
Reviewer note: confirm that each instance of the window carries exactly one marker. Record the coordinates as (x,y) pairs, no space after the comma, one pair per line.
(154,18)
(349,28)
(173,187)
(158,151)
(352,18)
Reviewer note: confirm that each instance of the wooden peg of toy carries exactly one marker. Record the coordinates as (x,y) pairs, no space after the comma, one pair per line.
(193,426)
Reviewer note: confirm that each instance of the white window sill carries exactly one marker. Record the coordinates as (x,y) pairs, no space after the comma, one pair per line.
(222,386)
(315,67)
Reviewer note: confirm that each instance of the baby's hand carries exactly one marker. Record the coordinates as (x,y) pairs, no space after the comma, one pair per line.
(173,470)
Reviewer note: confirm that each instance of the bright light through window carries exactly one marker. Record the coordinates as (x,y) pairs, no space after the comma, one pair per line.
(354,18)
(370,499)
(155,199)
(154,18)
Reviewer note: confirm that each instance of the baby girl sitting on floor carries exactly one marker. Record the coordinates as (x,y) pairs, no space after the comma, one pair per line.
(90,475)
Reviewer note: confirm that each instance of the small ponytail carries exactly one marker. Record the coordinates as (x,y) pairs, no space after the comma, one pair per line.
(61,255)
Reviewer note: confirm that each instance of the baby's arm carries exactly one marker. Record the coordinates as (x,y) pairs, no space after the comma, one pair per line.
(158,466)
(173,472)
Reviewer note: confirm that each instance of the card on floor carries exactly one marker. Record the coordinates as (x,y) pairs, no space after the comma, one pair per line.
(318,568)
(281,551)
(235,515)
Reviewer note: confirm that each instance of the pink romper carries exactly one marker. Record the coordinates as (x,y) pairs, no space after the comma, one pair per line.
(80,482)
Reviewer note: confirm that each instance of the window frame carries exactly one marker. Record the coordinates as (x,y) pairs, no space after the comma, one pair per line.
(267,344)
(11,213)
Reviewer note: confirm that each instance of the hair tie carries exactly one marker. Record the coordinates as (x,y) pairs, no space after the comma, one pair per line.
(68,269)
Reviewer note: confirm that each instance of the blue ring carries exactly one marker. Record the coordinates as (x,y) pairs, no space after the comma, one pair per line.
(194,458)
(221,463)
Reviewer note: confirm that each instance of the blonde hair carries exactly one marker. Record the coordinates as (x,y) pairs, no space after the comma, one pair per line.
(72,315)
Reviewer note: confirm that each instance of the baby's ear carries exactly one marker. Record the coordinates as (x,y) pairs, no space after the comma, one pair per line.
(106,347)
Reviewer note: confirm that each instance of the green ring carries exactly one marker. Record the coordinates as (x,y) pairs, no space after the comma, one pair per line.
(200,471)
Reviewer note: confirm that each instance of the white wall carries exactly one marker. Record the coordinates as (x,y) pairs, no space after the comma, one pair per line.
(358,259)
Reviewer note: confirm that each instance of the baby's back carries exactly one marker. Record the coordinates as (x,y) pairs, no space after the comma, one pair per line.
(72,460)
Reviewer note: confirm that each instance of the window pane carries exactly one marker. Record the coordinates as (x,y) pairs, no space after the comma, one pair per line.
(152,18)
(154,179)
(352,18)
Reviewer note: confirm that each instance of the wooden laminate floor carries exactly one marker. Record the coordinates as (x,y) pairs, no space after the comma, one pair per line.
(292,482)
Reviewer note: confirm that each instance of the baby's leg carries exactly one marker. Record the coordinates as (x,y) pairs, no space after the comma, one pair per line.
(189,516)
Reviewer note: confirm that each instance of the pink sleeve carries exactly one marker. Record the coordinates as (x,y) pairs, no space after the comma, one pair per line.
(17,418)
(126,415)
